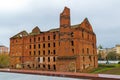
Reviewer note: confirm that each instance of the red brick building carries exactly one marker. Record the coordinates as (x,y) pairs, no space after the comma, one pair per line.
(68,48)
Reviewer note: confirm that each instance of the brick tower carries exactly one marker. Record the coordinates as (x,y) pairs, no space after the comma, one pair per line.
(65,54)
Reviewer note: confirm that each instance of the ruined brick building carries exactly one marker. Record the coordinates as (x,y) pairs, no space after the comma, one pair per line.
(67,48)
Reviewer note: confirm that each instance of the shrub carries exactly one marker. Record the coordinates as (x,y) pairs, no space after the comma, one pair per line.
(119,62)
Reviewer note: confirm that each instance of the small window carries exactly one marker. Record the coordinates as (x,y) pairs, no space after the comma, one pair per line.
(38,38)
(38,59)
(39,46)
(48,59)
(90,58)
(28,66)
(33,65)
(43,59)
(54,52)
(72,50)
(53,44)
(48,66)
(87,50)
(48,44)
(43,66)
(48,37)
(54,36)
(30,40)
(43,52)
(39,66)
(53,59)
(72,43)
(72,34)
(30,46)
(30,53)
(48,52)
(39,52)
(54,67)
(34,46)
(44,45)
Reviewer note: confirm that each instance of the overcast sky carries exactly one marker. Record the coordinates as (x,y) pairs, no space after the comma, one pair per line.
(18,15)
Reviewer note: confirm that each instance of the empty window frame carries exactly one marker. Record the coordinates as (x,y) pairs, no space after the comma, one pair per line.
(48,66)
(48,59)
(48,44)
(54,67)
(34,46)
(43,52)
(48,37)
(87,50)
(44,45)
(54,36)
(39,46)
(54,52)
(54,44)
(48,52)
(38,52)
(72,43)
(54,59)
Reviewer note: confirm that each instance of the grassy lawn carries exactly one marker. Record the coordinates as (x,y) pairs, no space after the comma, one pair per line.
(107,69)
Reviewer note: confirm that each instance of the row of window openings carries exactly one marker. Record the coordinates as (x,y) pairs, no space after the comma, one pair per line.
(88,37)
(48,59)
(54,52)
(54,45)
(44,66)
(54,37)
(87,50)
(43,45)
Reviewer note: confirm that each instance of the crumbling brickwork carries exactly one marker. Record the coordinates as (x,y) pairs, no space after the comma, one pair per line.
(68,48)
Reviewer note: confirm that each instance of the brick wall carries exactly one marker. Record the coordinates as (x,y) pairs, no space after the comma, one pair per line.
(68,48)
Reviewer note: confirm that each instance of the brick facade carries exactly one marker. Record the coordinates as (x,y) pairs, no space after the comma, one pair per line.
(68,48)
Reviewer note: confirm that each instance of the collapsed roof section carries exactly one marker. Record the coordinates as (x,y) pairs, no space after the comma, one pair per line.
(20,34)
(85,25)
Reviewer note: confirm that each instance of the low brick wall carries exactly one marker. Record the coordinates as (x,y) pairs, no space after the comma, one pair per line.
(65,74)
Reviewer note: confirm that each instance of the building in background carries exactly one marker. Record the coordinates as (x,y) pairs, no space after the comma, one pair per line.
(3,49)
(105,51)
(117,49)
(68,48)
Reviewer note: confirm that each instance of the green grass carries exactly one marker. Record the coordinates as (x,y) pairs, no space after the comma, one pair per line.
(107,69)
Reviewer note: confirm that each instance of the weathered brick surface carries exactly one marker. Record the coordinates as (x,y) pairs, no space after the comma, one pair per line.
(68,48)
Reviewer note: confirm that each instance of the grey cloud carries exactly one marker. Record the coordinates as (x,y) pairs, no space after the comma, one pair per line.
(102,14)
